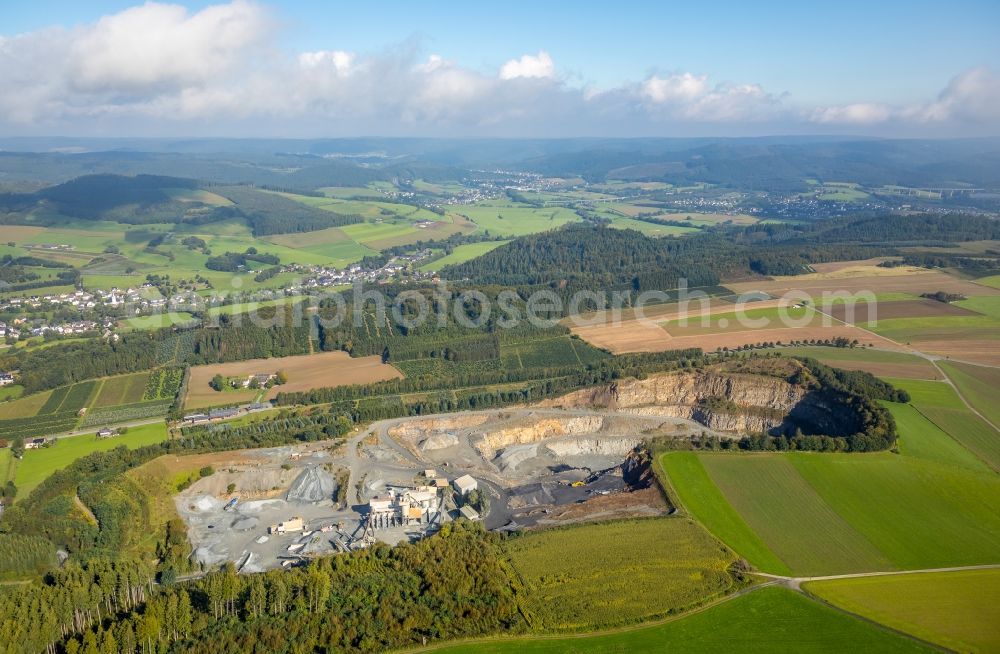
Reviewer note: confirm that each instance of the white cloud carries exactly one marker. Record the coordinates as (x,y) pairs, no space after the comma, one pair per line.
(162,68)
(536,66)
(160,44)
(853,114)
(339,60)
(676,88)
(970,98)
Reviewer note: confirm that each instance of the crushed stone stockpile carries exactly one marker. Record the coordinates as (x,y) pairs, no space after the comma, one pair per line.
(314,484)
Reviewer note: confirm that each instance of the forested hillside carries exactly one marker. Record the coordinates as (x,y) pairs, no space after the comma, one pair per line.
(596,257)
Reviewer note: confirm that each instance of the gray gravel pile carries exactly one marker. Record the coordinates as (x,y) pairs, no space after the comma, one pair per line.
(314,484)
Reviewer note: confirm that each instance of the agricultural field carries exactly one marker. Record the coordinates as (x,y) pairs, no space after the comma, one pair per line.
(51,412)
(957,610)
(124,389)
(925,439)
(978,385)
(642,336)
(866,502)
(109,400)
(39,464)
(692,489)
(24,407)
(463,253)
(758,622)
(882,363)
(558,351)
(158,321)
(305,372)
(577,577)
(788,514)
(871,315)
(942,334)
(710,218)
(876,281)
(648,228)
(713,322)
(762,319)
(512,220)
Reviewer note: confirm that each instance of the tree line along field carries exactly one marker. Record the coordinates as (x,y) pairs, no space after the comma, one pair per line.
(759,621)
(579,577)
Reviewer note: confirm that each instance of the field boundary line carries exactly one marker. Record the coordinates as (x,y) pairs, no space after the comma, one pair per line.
(958,392)
(960,444)
(879,625)
(883,573)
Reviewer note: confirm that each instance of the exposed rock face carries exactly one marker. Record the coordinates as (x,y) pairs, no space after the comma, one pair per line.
(490,443)
(414,429)
(604,446)
(757,403)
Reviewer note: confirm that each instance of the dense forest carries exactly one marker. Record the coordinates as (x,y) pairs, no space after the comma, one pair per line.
(597,257)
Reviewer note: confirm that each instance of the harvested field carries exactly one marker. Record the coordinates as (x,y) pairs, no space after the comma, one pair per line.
(638,337)
(924,281)
(766,318)
(865,312)
(305,372)
(629,336)
(878,362)
(979,350)
(664,311)
(837,266)
(865,268)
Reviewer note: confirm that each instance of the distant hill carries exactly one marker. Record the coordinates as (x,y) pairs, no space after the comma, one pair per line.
(147,199)
(768,163)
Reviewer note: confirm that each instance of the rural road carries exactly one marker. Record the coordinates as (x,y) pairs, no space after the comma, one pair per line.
(795,583)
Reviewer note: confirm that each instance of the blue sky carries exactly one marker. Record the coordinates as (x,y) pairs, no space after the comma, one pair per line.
(880,67)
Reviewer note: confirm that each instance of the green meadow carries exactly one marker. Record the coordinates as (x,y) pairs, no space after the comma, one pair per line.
(763,621)
(957,610)
(463,253)
(39,464)
(979,386)
(511,220)
(934,504)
